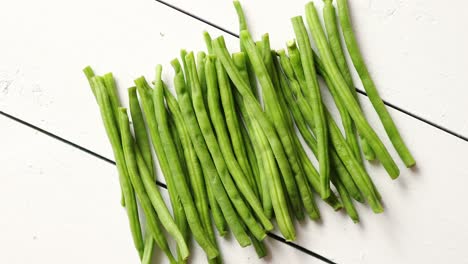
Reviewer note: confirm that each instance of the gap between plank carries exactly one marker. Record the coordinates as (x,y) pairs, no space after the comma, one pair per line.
(96,155)
(422,119)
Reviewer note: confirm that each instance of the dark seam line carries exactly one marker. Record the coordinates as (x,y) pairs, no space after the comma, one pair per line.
(446,130)
(304,250)
(92,153)
(198,18)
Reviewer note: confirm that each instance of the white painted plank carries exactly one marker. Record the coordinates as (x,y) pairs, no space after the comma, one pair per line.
(60,204)
(414,49)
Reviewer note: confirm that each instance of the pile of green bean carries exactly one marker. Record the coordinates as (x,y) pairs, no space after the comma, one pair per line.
(229,144)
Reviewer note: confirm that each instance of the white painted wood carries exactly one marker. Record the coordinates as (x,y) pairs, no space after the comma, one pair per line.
(414,49)
(41,81)
(60,204)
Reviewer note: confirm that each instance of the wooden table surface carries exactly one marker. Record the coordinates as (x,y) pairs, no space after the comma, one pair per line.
(59,191)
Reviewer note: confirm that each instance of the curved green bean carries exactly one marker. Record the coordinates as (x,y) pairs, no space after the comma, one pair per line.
(206,161)
(111,126)
(369,85)
(133,170)
(346,198)
(314,96)
(142,141)
(345,94)
(181,185)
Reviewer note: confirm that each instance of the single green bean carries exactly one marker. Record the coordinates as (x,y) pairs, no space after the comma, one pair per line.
(214,148)
(314,96)
(329,16)
(142,141)
(212,178)
(369,85)
(243,26)
(112,127)
(139,128)
(255,131)
(276,115)
(345,94)
(201,73)
(89,73)
(232,123)
(346,198)
(273,186)
(181,185)
(145,93)
(149,249)
(133,170)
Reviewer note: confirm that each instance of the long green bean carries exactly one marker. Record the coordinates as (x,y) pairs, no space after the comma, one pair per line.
(346,95)
(133,170)
(223,166)
(346,198)
(273,186)
(111,127)
(142,141)
(369,85)
(183,190)
(243,26)
(334,40)
(274,112)
(206,161)
(139,128)
(313,94)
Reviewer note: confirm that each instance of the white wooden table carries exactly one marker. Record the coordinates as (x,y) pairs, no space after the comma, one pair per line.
(60,201)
